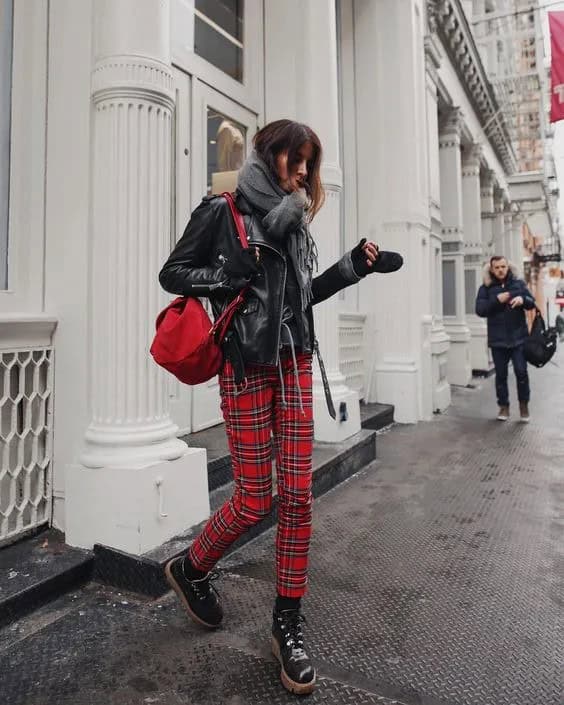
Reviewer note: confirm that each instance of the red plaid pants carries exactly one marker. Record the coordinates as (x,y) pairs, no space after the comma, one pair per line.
(265,410)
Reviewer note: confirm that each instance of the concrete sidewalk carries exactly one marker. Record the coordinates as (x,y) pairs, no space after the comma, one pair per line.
(437,577)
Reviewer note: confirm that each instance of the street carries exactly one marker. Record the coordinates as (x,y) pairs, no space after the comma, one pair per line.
(437,578)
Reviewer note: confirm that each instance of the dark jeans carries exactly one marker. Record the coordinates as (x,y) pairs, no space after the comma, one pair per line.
(501,358)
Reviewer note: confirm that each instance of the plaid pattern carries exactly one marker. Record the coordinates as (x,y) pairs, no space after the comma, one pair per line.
(252,417)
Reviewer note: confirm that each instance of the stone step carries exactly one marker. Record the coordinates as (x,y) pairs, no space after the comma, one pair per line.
(372,416)
(38,569)
(332,463)
(376,416)
(42,567)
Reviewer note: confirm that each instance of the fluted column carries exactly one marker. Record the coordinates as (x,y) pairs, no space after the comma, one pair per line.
(473,254)
(517,237)
(452,215)
(498,223)
(318,98)
(133,101)
(487,181)
(508,247)
(305,87)
(393,199)
(134,469)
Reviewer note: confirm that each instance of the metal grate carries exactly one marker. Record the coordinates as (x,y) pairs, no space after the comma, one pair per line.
(352,352)
(25,440)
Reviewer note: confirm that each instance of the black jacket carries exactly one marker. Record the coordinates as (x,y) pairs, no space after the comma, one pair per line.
(507,327)
(195,269)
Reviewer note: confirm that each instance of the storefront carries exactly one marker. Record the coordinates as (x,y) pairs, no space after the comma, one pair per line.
(119,117)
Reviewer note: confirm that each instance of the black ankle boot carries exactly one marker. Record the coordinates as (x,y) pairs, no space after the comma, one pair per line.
(297,674)
(199,597)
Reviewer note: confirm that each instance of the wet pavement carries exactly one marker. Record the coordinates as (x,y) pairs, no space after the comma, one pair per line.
(437,577)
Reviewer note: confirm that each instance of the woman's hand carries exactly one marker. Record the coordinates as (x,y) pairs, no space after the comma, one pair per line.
(371,252)
(363,257)
(366,257)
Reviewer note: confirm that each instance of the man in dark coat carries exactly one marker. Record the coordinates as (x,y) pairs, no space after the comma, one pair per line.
(502,299)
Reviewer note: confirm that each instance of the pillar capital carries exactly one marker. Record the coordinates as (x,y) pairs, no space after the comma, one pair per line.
(471,158)
(450,127)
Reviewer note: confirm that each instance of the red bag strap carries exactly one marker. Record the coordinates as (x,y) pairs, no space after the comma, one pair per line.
(238,218)
(219,328)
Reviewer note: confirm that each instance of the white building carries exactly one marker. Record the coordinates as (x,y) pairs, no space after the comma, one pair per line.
(109,137)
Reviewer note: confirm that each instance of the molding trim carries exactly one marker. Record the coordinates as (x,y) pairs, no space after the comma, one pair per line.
(133,78)
(448,20)
(21,331)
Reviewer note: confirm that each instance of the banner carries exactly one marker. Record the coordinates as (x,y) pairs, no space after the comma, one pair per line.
(556,23)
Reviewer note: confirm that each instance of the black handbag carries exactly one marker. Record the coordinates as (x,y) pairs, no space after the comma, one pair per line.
(540,346)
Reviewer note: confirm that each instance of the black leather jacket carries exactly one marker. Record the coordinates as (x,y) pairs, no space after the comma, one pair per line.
(195,269)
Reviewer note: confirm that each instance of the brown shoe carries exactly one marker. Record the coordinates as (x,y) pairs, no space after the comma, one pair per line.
(524,409)
(503,414)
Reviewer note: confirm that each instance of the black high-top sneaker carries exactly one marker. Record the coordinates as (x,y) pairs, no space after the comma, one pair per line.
(297,673)
(199,598)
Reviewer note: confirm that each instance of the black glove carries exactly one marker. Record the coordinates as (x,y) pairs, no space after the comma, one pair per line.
(242,263)
(385,262)
(240,268)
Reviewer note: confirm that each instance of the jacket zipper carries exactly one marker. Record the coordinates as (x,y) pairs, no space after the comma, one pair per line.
(210,287)
(268,247)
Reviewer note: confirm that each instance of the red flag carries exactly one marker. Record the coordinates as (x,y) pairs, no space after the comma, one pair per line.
(556,23)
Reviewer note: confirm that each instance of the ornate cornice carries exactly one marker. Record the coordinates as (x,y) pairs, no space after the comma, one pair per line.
(448,20)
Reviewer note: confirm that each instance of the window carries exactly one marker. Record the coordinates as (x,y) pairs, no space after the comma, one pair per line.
(6,27)
(471,286)
(449,288)
(218,34)
(226,151)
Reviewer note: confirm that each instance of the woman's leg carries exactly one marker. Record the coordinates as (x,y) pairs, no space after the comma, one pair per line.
(248,424)
(293,439)
(501,357)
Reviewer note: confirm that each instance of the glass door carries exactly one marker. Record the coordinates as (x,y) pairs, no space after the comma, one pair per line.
(222,137)
(213,137)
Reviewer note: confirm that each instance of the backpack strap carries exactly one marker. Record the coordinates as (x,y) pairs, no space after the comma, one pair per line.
(238,218)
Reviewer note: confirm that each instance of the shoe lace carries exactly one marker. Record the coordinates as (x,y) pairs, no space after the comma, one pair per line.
(203,588)
(291,626)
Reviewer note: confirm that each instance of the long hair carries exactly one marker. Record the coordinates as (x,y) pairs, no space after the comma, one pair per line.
(286,135)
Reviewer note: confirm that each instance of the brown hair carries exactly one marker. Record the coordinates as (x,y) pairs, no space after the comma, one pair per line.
(286,135)
(496,258)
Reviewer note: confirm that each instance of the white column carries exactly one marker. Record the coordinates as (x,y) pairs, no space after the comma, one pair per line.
(312,93)
(132,491)
(454,306)
(473,255)
(393,198)
(498,223)
(318,98)
(508,232)
(439,340)
(488,216)
(517,237)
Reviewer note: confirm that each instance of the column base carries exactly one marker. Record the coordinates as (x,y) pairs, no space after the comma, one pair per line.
(397,383)
(328,430)
(479,351)
(440,345)
(459,370)
(123,508)
(136,447)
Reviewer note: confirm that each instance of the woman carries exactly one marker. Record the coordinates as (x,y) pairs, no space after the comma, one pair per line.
(266,381)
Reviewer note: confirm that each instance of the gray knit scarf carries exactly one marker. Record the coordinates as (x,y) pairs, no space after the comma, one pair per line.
(283,218)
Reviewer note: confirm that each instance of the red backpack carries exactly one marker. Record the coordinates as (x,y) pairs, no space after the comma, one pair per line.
(186,343)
